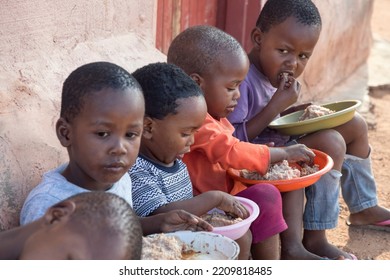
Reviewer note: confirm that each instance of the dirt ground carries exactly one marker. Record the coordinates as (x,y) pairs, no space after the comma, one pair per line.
(364,243)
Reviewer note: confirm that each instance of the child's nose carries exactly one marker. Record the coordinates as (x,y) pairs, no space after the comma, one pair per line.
(191,139)
(118,146)
(237,94)
(292,62)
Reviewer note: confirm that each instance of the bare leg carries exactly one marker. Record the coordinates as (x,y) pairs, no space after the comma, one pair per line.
(245,243)
(291,239)
(267,249)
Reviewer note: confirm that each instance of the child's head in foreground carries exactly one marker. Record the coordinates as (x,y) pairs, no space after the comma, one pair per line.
(175,108)
(89,225)
(101,121)
(216,61)
(284,38)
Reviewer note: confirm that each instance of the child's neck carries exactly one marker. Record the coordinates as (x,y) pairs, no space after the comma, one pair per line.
(154,160)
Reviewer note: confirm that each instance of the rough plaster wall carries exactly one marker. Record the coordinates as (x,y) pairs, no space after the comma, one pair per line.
(341,52)
(41,42)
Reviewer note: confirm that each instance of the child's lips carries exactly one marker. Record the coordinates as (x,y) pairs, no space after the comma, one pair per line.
(231,108)
(116,167)
(181,155)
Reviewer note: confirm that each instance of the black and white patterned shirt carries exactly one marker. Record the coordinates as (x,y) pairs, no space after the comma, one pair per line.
(155,185)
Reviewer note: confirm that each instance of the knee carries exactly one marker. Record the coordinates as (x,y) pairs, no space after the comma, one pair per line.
(266,192)
(359,124)
(332,143)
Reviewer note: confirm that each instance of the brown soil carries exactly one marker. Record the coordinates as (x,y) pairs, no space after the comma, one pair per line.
(365,243)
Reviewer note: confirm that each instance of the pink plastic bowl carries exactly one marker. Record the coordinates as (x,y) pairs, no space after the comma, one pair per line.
(237,230)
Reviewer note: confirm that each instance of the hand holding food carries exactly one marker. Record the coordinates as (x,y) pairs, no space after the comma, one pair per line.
(176,220)
(287,93)
(299,153)
(230,205)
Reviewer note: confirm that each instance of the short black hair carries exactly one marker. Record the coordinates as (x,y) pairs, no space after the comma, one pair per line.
(163,84)
(275,12)
(89,78)
(198,47)
(100,212)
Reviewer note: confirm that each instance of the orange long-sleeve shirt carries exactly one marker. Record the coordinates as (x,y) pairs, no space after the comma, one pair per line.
(215,149)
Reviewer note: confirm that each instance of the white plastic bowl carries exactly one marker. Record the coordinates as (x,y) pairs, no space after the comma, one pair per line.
(211,246)
(237,230)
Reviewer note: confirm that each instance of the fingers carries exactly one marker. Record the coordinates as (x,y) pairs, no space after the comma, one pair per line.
(202,225)
(192,222)
(293,84)
(239,210)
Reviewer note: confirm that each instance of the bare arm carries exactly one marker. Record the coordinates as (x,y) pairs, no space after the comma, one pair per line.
(173,221)
(12,241)
(206,201)
(294,153)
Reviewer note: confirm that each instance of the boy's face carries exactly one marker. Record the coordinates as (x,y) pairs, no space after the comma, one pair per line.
(285,48)
(103,140)
(170,138)
(221,84)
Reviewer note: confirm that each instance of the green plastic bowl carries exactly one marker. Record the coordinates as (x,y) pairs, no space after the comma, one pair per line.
(289,124)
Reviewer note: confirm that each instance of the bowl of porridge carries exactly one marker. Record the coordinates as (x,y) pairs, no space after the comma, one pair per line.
(316,117)
(189,245)
(287,176)
(229,226)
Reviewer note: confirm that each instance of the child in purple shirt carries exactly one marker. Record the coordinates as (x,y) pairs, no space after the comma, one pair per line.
(285,35)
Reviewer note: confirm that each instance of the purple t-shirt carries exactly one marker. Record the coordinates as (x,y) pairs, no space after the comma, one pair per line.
(256,91)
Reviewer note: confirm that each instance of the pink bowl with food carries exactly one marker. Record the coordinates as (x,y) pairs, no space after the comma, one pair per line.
(237,230)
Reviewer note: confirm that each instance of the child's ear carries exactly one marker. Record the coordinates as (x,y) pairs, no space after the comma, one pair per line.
(256,35)
(59,211)
(197,78)
(148,128)
(63,132)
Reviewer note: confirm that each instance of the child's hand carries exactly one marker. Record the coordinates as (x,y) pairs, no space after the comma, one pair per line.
(299,153)
(232,206)
(176,220)
(287,92)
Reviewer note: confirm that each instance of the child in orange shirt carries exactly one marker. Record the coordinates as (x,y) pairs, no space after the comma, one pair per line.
(217,62)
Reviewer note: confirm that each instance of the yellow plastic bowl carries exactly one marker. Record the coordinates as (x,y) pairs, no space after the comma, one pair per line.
(289,124)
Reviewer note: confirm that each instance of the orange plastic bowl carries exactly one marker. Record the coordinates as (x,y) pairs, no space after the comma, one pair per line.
(324,161)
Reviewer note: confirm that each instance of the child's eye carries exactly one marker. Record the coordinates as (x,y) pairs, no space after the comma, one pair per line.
(131,135)
(231,89)
(186,134)
(102,134)
(303,56)
(283,51)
